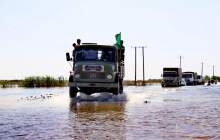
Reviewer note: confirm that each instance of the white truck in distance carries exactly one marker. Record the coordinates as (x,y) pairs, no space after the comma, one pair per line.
(190,78)
(171,77)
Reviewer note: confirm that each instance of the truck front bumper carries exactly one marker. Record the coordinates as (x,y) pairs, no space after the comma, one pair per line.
(189,83)
(170,83)
(93,85)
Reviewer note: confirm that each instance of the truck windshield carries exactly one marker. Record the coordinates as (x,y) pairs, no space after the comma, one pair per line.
(95,54)
(169,74)
(187,76)
(199,77)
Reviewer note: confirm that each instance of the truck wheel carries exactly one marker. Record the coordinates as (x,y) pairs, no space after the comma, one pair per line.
(120,87)
(73,92)
(115,91)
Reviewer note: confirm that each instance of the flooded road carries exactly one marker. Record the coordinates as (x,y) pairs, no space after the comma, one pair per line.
(150,112)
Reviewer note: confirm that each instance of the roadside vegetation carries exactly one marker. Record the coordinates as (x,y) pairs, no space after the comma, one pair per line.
(9,83)
(44,81)
(140,82)
(207,78)
(48,81)
(216,78)
(35,81)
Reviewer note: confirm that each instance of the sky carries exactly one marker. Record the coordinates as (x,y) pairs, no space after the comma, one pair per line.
(36,34)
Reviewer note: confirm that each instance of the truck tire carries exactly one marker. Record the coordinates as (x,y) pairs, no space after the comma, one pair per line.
(73,92)
(120,87)
(115,91)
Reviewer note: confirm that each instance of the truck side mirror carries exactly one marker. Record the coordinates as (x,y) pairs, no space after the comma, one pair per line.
(68,57)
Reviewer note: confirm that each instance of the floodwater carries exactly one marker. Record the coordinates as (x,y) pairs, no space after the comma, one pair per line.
(148,113)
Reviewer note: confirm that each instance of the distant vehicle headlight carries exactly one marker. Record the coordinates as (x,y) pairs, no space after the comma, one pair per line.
(109,76)
(77,75)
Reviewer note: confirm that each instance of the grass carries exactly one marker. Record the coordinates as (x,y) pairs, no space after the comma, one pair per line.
(35,81)
(216,78)
(9,83)
(140,82)
(48,81)
(44,81)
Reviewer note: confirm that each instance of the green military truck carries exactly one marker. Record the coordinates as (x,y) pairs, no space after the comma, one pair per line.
(96,68)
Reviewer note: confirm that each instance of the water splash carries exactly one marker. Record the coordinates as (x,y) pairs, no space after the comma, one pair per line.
(100,97)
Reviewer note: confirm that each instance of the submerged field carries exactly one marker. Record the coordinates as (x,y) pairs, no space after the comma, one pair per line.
(169,113)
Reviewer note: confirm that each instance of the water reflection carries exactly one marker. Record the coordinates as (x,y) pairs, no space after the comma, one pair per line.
(97,120)
(96,107)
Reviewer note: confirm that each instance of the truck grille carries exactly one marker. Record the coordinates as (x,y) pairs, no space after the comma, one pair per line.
(93,76)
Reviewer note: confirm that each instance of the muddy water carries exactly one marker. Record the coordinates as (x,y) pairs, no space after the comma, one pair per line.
(150,112)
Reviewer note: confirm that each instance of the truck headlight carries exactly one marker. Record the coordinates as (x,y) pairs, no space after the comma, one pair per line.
(109,76)
(77,75)
(113,68)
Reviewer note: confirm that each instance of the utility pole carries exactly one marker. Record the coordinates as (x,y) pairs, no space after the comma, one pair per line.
(143,67)
(135,79)
(180,61)
(202,70)
(213,71)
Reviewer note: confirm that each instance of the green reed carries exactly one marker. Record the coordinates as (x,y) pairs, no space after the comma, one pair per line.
(43,81)
(35,81)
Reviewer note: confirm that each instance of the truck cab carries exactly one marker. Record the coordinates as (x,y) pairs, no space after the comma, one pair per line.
(96,68)
(190,78)
(200,80)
